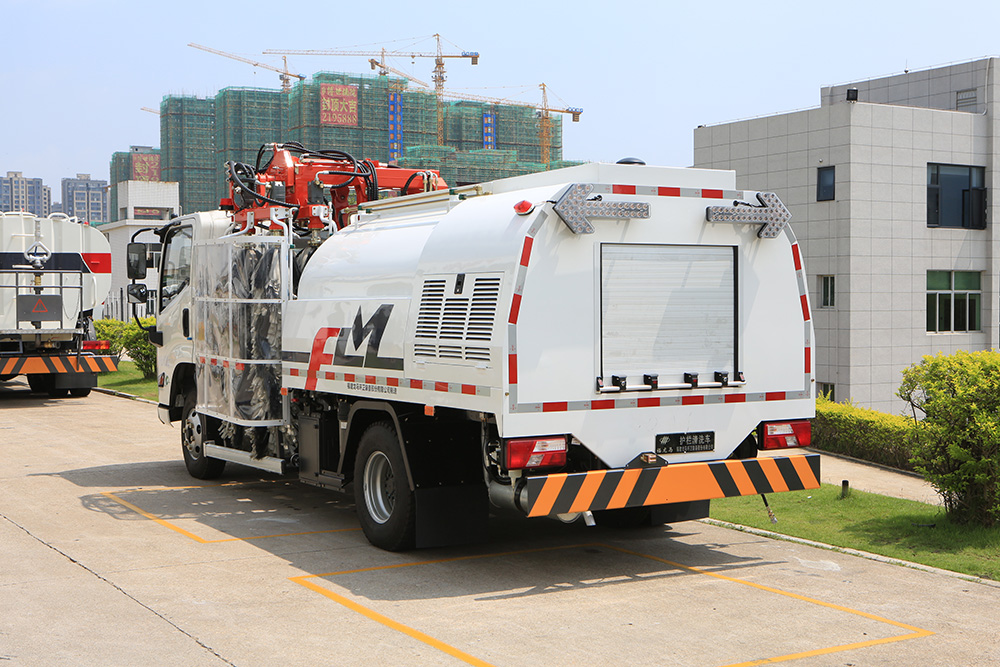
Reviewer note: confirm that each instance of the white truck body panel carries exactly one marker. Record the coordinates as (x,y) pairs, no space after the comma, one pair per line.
(78,270)
(547,343)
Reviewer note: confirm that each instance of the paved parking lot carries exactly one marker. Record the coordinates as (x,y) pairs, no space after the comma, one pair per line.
(111,555)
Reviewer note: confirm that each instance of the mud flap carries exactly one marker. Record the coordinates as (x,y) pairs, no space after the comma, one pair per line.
(677,512)
(449,515)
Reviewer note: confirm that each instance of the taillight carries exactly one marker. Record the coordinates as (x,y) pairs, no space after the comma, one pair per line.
(96,345)
(535,453)
(781,435)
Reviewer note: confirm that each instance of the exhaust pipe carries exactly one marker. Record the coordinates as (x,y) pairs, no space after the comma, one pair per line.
(509,497)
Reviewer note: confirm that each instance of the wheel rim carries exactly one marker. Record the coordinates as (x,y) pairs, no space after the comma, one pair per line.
(379,487)
(191,432)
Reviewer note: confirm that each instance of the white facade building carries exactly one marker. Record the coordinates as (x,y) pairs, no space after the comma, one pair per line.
(890,183)
(145,204)
(146,200)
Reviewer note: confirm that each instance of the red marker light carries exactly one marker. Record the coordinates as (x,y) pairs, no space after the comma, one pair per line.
(524,207)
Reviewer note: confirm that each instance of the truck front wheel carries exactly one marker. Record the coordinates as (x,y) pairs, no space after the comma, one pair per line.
(382,495)
(194,433)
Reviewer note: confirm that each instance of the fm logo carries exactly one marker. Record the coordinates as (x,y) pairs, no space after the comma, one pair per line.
(354,335)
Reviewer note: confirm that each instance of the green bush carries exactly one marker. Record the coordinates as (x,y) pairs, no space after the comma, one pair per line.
(111,331)
(958,398)
(843,428)
(139,349)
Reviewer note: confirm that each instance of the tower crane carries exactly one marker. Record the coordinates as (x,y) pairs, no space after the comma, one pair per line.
(283,73)
(438,76)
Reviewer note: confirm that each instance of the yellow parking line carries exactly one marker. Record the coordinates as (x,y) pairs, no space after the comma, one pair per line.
(915,632)
(202,540)
(388,622)
(472,660)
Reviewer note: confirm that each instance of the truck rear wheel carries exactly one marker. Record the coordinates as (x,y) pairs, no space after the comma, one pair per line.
(383,498)
(195,431)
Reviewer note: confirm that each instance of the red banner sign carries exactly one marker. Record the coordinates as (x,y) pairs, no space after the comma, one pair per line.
(338,105)
(145,167)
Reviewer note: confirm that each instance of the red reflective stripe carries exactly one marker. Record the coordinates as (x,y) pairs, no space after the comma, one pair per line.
(526,250)
(774,396)
(469,389)
(440,386)
(416,384)
(602,405)
(692,400)
(805,307)
(648,402)
(736,398)
(98,262)
(623,189)
(392,382)
(796,257)
(512,368)
(808,360)
(669,192)
(350,377)
(711,194)
(369,379)
(555,406)
(515,308)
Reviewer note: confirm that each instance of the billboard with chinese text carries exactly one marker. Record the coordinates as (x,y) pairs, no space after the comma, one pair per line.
(338,105)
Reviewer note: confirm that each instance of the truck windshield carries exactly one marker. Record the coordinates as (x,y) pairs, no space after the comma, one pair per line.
(176,265)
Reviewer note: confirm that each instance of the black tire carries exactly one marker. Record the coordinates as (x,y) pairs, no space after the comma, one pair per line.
(79,392)
(382,495)
(746,449)
(196,429)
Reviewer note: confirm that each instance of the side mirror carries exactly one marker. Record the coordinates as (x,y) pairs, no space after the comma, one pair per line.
(135,257)
(137,293)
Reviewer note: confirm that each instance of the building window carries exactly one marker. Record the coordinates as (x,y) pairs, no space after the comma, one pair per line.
(827,291)
(825,184)
(956,196)
(827,389)
(954,301)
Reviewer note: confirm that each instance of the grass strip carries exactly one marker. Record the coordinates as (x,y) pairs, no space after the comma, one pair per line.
(892,527)
(128,380)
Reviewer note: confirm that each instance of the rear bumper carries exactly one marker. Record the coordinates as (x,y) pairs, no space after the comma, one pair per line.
(564,493)
(57,363)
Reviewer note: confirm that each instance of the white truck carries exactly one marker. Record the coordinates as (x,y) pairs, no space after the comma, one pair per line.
(609,341)
(54,271)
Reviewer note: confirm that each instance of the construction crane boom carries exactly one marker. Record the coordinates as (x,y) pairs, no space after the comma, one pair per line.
(385,69)
(439,55)
(284,74)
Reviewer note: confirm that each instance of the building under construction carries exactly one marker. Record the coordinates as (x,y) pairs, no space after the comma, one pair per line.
(373,117)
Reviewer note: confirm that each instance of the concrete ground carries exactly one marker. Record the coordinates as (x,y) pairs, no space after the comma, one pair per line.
(111,555)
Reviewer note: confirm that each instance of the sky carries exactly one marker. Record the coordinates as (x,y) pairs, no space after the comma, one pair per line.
(75,75)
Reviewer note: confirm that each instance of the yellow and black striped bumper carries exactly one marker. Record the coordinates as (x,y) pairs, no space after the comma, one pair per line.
(58,363)
(675,483)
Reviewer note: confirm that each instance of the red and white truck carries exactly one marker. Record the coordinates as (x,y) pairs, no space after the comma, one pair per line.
(54,271)
(609,341)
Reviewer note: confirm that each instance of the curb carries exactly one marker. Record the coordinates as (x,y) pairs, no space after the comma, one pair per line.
(880,466)
(120,394)
(852,552)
